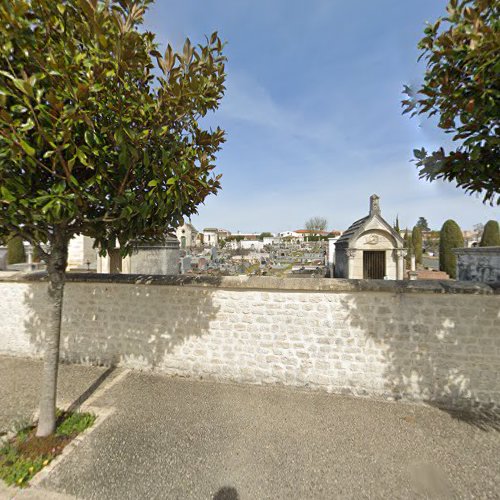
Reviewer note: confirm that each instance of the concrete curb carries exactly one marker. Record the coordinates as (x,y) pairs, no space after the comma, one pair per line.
(102,414)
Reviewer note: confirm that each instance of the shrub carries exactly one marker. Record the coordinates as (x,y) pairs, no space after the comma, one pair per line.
(451,237)
(491,235)
(15,250)
(409,248)
(416,238)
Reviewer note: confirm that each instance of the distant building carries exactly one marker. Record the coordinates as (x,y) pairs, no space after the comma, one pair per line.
(370,248)
(187,235)
(471,238)
(212,236)
(247,236)
(254,245)
(270,240)
(290,234)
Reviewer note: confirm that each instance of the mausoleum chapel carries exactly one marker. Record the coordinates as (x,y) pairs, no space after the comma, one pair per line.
(370,248)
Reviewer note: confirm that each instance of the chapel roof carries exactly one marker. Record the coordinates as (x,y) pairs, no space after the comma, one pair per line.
(356,228)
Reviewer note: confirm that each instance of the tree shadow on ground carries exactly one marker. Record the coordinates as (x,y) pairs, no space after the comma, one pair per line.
(135,323)
(439,349)
(481,419)
(78,402)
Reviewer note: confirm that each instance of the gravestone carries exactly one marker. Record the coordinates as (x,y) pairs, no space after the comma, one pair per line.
(478,264)
(160,258)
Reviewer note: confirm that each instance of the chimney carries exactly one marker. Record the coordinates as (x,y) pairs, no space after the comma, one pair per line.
(374,204)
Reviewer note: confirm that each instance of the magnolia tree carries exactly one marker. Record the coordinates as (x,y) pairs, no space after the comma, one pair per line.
(460,87)
(100,135)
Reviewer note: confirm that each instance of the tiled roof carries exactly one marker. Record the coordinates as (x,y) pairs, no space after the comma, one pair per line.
(351,230)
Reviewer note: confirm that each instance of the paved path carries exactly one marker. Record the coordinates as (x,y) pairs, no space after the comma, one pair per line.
(20,385)
(172,438)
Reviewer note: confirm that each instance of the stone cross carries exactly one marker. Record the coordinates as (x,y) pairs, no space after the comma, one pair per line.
(374,204)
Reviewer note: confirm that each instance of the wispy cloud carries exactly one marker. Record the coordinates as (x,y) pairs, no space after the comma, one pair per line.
(312,112)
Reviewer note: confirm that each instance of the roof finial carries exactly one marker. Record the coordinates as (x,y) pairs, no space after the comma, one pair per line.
(374,204)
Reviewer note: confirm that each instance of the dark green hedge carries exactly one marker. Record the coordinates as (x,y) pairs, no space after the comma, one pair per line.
(15,250)
(491,235)
(451,237)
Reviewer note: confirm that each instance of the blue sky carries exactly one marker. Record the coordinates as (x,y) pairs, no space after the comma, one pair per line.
(312,112)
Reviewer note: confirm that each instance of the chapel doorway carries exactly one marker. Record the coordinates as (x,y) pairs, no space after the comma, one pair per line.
(374,265)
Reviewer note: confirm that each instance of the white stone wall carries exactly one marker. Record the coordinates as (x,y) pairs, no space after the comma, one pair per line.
(419,346)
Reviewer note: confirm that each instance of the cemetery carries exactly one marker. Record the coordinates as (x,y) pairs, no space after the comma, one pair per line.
(288,338)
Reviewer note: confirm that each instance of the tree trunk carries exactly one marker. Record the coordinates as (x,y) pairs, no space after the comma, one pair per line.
(56,267)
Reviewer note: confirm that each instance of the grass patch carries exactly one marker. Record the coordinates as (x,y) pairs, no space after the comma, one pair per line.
(26,454)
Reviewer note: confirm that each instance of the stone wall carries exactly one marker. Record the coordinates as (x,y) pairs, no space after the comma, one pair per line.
(436,341)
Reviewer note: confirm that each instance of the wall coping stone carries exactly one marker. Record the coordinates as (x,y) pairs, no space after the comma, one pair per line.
(472,250)
(334,285)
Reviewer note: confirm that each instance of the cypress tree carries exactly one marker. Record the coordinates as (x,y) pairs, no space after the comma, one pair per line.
(396,224)
(15,250)
(416,238)
(450,237)
(409,248)
(491,235)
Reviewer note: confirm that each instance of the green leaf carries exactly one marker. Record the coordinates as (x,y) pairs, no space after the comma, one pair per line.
(30,151)
(146,158)
(7,195)
(82,157)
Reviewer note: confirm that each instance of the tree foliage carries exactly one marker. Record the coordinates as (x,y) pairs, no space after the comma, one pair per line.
(479,228)
(91,141)
(15,250)
(431,241)
(416,239)
(461,87)
(491,235)
(450,237)
(396,225)
(409,247)
(423,224)
(316,224)
(265,234)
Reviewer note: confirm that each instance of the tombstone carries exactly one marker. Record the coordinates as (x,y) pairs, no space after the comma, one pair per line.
(156,258)
(3,258)
(81,253)
(478,264)
(148,258)
(185,264)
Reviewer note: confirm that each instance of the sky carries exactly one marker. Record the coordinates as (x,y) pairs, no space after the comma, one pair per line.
(312,112)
